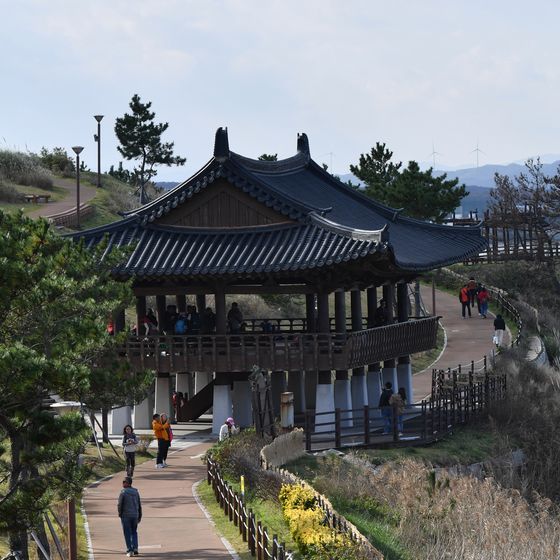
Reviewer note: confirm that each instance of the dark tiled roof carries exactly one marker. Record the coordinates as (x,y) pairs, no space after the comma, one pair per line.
(335,223)
(188,252)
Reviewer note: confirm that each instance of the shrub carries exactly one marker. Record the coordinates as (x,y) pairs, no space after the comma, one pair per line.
(24,169)
(144,442)
(9,193)
(58,161)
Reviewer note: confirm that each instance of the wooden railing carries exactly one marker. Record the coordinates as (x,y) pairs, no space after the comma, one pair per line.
(259,542)
(281,351)
(455,401)
(400,339)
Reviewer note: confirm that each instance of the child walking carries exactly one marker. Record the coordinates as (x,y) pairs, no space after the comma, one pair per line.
(130,441)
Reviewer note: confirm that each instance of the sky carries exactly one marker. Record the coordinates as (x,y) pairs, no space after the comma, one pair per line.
(420,76)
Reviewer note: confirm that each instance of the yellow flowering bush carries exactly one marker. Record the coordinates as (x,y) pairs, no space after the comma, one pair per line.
(306,519)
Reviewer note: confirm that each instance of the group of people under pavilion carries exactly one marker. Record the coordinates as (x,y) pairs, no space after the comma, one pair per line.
(243,226)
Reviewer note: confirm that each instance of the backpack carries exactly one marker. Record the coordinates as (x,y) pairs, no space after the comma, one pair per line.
(180,326)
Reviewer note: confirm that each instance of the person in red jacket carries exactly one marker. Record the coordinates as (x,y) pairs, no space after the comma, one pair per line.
(465,299)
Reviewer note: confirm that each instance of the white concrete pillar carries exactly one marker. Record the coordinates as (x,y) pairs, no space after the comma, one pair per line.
(120,417)
(223,406)
(404,375)
(324,403)
(143,412)
(343,400)
(241,400)
(201,379)
(182,383)
(296,385)
(163,401)
(374,386)
(359,391)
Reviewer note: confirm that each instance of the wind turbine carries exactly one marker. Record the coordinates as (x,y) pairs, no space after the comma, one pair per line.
(434,154)
(478,151)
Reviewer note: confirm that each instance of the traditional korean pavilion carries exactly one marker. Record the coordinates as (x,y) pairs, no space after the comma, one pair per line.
(242,226)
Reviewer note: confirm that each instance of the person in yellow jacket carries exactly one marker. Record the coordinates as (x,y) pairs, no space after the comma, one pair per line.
(161,427)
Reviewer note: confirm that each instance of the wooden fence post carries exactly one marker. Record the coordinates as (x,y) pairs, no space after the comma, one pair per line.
(366,425)
(337,428)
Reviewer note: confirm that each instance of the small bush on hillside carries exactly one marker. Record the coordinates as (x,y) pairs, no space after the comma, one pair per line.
(24,169)
(58,161)
(240,455)
(9,193)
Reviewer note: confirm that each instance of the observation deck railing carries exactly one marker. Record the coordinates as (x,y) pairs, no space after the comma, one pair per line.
(287,351)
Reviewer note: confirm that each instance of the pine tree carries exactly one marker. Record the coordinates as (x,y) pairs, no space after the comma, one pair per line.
(140,140)
(55,297)
(419,193)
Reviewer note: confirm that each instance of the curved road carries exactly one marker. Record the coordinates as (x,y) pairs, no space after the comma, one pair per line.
(87,192)
(467,339)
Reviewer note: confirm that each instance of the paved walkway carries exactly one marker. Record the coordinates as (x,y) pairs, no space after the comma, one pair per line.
(467,339)
(87,192)
(173,525)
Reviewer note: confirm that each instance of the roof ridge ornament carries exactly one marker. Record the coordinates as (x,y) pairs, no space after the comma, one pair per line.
(221,144)
(303,144)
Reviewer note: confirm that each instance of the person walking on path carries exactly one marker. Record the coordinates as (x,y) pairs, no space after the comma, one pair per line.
(499,330)
(471,287)
(465,299)
(161,427)
(483,296)
(130,441)
(385,406)
(130,512)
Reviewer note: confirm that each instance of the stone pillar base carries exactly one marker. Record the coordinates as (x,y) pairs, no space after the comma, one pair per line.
(143,412)
(223,406)
(325,403)
(404,375)
(374,390)
(163,400)
(343,400)
(120,417)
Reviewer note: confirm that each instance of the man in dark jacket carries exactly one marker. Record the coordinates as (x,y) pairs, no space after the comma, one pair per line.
(130,512)
(385,406)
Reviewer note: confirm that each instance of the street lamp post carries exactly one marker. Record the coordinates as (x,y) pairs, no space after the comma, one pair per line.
(77,151)
(97,138)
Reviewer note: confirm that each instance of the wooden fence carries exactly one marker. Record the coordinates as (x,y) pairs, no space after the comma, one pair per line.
(457,399)
(259,542)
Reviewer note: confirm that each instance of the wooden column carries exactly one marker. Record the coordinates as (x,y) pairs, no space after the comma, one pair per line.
(310,380)
(161,303)
(200,303)
(181,302)
(324,402)
(323,327)
(140,313)
(359,387)
(404,368)
(119,322)
(389,366)
(340,323)
(221,313)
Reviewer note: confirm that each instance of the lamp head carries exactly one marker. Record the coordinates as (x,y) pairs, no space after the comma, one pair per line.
(77,149)
(98,117)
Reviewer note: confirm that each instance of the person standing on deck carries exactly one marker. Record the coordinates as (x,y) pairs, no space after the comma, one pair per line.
(385,406)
